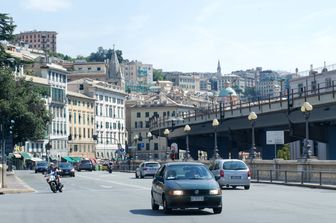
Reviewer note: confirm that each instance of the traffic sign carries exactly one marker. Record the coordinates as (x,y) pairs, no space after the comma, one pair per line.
(275,137)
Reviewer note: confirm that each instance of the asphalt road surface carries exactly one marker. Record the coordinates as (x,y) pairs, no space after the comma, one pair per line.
(119,197)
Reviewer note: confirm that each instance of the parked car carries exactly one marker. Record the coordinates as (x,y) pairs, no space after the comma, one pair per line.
(148,168)
(66,169)
(85,165)
(185,185)
(231,172)
(41,167)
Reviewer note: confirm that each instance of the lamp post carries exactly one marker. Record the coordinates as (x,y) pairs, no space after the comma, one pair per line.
(187,153)
(252,118)
(215,124)
(166,134)
(306,108)
(135,138)
(149,137)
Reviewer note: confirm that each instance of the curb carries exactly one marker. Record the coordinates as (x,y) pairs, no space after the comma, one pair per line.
(313,186)
(26,189)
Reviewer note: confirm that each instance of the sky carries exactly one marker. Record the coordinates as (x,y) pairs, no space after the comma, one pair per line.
(189,35)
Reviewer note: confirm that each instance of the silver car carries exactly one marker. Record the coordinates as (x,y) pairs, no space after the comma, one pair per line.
(148,168)
(231,172)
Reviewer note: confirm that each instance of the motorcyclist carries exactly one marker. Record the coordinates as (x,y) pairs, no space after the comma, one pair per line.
(53,170)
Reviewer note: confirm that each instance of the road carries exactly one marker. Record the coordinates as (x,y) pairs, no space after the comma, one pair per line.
(119,197)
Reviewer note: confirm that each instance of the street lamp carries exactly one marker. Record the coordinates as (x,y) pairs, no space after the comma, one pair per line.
(149,137)
(306,108)
(135,138)
(166,134)
(215,124)
(187,130)
(252,118)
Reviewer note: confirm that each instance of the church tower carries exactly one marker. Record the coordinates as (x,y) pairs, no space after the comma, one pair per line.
(114,73)
(219,69)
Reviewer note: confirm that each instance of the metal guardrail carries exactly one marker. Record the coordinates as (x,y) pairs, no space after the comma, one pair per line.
(303,177)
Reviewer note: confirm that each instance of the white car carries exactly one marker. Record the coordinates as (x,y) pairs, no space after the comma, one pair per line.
(148,168)
(231,172)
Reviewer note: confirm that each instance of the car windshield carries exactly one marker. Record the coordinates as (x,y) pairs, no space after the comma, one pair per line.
(42,164)
(234,165)
(65,165)
(152,165)
(86,162)
(182,172)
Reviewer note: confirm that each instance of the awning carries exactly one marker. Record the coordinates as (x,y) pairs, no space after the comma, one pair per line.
(36,159)
(76,159)
(17,155)
(26,156)
(68,159)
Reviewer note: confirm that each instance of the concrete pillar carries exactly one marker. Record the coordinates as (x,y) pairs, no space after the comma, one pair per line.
(331,148)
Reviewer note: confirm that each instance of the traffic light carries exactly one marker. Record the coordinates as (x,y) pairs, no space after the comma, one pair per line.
(11,126)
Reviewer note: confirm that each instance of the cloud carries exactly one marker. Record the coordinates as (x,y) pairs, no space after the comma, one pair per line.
(47,5)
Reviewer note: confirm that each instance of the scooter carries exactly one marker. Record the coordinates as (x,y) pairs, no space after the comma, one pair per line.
(54,182)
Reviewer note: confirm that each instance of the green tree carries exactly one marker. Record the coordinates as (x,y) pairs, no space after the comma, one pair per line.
(20,100)
(284,152)
(102,54)
(6,34)
(158,75)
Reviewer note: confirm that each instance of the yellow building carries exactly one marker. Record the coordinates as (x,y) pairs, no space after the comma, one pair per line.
(81,125)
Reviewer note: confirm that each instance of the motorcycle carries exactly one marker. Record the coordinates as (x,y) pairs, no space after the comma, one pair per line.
(54,182)
(109,167)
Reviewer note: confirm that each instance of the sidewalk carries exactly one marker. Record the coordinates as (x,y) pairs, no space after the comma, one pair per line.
(15,185)
(296,184)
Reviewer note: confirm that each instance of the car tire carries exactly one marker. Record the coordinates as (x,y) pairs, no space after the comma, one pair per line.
(35,171)
(217,210)
(141,176)
(166,209)
(234,187)
(136,175)
(155,207)
(247,187)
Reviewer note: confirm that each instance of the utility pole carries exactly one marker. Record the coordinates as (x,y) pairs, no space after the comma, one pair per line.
(3,185)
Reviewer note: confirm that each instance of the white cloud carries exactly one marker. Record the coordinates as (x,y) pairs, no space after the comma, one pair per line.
(47,5)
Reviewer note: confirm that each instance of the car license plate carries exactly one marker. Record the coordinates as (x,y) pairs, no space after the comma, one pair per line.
(197,198)
(235,177)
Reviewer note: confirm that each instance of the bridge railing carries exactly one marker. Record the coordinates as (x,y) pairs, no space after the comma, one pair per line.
(303,177)
(242,108)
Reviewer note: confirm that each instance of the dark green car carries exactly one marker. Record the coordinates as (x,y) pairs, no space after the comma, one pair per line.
(184,185)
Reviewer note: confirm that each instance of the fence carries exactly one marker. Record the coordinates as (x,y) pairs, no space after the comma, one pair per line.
(295,176)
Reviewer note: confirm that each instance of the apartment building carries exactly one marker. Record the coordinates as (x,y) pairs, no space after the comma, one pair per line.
(92,70)
(110,127)
(43,40)
(81,125)
(136,72)
(139,110)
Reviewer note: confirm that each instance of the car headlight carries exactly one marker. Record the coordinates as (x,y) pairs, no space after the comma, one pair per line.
(176,192)
(215,191)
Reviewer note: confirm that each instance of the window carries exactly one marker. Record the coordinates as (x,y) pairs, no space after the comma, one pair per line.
(147,124)
(138,115)
(81,87)
(156,146)
(147,146)
(147,114)
(135,125)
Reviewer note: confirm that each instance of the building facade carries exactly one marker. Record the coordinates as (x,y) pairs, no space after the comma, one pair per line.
(81,125)
(110,128)
(136,72)
(92,70)
(43,40)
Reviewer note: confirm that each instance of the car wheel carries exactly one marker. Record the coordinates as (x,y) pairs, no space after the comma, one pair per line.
(166,209)
(136,175)
(247,187)
(217,210)
(79,170)
(234,187)
(155,207)
(141,176)
(35,171)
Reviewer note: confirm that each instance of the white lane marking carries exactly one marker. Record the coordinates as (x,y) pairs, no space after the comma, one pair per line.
(114,182)
(106,186)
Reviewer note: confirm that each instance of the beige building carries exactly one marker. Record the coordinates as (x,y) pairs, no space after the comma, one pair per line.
(137,72)
(139,111)
(92,70)
(81,125)
(43,40)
